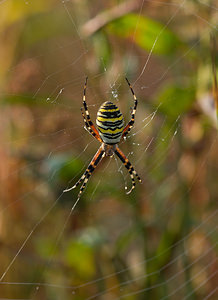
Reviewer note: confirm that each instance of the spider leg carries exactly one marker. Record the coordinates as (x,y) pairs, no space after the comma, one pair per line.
(89,128)
(131,122)
(90,123)
(129,167)
(91,167)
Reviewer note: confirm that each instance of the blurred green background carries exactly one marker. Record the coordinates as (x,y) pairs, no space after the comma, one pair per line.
(159,242)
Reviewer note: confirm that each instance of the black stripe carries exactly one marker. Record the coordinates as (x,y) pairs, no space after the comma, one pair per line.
(98,158)
(91,168)
(111,124)
(111,128)
(85,105)
(109,107)
(108,103)
(86,172)
(119,155)
(109,115)
(128,165)
(87,176)
(111,137)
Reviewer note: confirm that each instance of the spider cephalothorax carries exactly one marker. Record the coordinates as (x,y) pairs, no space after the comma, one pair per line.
(108,149)
(111,130)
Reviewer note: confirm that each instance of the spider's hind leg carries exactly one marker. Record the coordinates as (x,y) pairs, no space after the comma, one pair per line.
(86,175)
(129,167)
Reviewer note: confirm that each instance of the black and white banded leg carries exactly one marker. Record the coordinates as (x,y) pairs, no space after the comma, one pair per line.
(129,167)
(89,128)
(88,119)
(131,122)
(91,167)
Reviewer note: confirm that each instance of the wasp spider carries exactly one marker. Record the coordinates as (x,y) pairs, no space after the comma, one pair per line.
(110,132)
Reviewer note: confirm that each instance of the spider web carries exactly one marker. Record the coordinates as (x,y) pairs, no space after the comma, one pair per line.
(158,242)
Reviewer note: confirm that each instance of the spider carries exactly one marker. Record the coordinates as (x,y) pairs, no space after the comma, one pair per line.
(110,132)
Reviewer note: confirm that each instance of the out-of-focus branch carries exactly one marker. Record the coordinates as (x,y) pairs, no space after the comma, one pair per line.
(107,16)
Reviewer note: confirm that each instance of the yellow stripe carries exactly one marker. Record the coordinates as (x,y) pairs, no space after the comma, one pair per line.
(111,131)
(108,110)
(106,119)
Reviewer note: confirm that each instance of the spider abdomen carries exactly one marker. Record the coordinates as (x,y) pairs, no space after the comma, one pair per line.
(110,123)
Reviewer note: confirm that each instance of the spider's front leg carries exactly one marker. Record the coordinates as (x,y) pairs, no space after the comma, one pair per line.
(87,119)
(91,167)
(97,136)
(129,167)
(131,122)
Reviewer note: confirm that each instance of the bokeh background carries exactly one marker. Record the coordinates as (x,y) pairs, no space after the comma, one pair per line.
(160,241)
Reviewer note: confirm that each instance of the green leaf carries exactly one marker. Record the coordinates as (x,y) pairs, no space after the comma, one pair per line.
(65,166)
(146,33)
(23,99)
(80,256)
(45,26)
(176,100)
(102,49)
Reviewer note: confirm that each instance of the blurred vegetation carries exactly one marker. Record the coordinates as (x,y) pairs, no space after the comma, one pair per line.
(164,48)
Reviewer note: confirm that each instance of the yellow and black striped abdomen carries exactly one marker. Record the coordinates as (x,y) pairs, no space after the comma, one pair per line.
(110,123)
